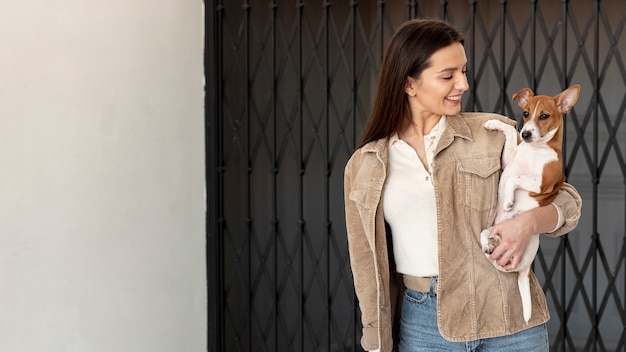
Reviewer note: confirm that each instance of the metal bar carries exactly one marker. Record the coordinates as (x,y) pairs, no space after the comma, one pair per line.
(596,92)
(503,4)
(353,53)
(327,79)
(564,83)
(248,178)
(381,19)
(472,56)
(411,9)
(275,219)
(214,177)
(301,223)
(533,41)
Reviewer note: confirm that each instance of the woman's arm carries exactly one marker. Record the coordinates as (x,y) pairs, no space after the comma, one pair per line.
(516,232)
(363,267)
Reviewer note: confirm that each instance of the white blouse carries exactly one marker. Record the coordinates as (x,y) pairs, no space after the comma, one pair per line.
(409,205)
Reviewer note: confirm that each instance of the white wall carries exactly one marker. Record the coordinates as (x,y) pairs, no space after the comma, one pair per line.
(102,176)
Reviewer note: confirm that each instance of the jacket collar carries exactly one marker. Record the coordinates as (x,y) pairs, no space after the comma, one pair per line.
(457,127)
(375,146)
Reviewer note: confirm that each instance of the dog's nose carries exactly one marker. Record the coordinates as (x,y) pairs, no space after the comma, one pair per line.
(526,135)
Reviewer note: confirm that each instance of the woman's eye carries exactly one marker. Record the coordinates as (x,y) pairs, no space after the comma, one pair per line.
(452,76)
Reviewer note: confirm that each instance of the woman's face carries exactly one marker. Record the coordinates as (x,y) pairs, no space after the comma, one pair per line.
(438,90)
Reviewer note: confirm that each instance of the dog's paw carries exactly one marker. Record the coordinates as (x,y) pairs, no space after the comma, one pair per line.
(509,195)
(493,125)
(492,243)
(495,240)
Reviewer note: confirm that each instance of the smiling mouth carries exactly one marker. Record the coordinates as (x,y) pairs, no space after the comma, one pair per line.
(454,97)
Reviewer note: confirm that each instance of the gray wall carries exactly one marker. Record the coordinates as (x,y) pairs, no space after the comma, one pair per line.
(102,178)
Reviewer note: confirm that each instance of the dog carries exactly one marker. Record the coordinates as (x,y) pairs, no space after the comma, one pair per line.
(532,172)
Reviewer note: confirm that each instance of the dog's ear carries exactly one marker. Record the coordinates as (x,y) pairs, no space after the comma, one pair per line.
(523,96)
(567,98)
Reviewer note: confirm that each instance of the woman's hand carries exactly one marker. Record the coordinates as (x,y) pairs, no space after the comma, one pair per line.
(514,238)
(515,234)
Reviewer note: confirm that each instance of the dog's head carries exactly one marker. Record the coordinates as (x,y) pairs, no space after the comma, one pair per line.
(543,115)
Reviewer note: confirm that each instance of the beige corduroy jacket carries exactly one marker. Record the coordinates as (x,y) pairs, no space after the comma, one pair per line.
(474,299)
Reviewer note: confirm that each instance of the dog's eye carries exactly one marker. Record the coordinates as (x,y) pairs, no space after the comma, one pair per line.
(543,116)
(525,114)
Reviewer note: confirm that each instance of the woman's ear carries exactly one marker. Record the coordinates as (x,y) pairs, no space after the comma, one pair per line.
(409,86)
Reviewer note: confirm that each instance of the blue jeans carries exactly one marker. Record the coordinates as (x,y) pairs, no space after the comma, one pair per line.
(419,332)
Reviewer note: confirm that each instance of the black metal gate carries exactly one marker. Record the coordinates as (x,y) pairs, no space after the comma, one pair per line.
(289,84)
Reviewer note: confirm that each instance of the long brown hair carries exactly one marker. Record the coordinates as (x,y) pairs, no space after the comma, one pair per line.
(407,55)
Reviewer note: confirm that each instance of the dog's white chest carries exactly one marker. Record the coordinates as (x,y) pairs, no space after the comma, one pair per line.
(522,175)
(529,159)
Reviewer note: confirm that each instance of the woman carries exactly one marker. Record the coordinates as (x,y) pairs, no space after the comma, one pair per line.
(419,190)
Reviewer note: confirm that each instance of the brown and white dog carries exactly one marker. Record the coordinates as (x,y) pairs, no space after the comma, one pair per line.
(532,170)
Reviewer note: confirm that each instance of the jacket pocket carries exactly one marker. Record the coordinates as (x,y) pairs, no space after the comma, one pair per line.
(479,177)
(415,297)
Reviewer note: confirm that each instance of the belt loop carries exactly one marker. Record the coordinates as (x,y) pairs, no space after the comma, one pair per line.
(433,285)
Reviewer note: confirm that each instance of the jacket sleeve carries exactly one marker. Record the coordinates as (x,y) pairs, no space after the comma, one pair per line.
(570,202)
(362,263)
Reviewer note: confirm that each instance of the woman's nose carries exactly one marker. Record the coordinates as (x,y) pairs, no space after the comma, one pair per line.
(462,84)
